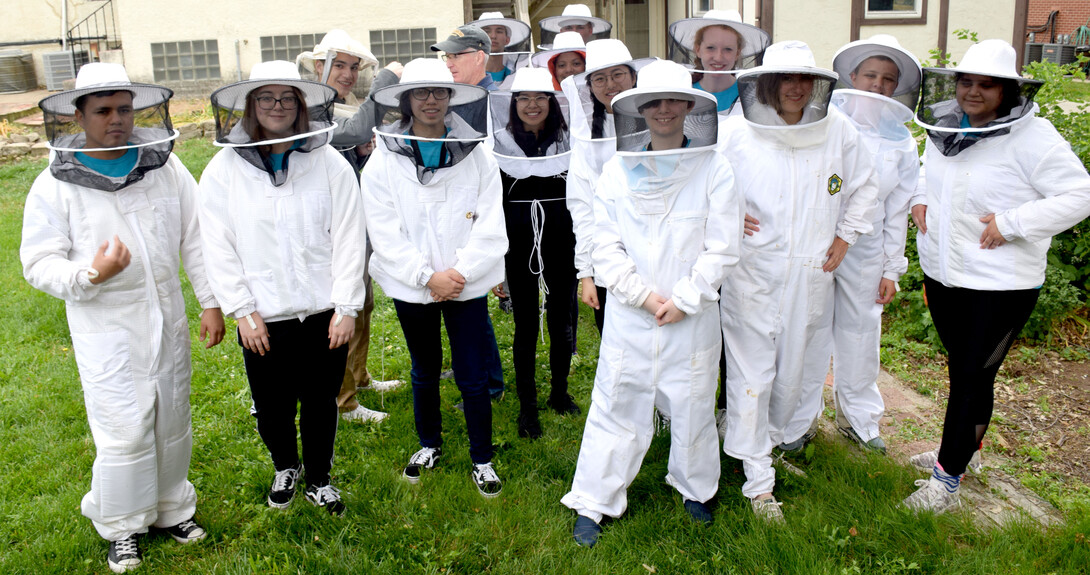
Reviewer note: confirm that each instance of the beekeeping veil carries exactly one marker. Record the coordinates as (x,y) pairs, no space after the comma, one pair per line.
(683,34)
(872,112)
(234,125)
(516,53)
(466,117)
(519,153)
(941,115)
(758,93)
(573,14)
(152,134)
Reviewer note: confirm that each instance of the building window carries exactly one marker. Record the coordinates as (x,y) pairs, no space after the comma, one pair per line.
(287,47)
(882,9)
(188,60)
(402,45)
(697,8)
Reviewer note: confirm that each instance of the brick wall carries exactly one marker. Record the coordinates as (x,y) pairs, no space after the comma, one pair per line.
(1073,13)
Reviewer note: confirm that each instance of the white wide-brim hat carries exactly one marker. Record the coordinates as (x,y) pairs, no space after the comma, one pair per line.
(337,41)
(994,58)
(517,30)
(606,53)
(528,79)
(275,72)
(789,57)
(564,42)
(575,14)
(663,79)
(103,77)
(754,39)
(851,55)
(428,73)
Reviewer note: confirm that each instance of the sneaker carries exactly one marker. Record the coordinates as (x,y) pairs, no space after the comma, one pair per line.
(563,405)
(799,443)
(124,555)
(488,483)
(875,444)
(426,458)
(721,423)
(283,487)
(529,424)
(586,531)
(927,460)
(698,512)
(778,459)
(364,415)
(384,386)
(768,509)
(326,496)
(931,496)
(187,531)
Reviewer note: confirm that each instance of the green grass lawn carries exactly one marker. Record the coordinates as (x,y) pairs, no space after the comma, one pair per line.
(843,518)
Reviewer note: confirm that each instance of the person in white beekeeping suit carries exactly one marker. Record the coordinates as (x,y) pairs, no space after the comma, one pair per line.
(575,18)
(567,57)
(511,45)
(879,89)
(998,183)
(668,227)
(284,243)
(103,229)
(809,182)
(432,195)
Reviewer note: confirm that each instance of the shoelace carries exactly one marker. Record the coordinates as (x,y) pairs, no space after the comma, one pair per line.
(486,474)
(126,546)
(327,494)
(187,526)
(284,480)
(422,457)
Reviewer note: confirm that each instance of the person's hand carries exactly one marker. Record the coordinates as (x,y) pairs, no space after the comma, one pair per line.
(446,285)
(752,225)
(653,303)
(668,313)
(256,338)
(835,254)
(109,262)
(590,292)
(396,68)
(341,329)
(498,291)
(991,238)
(887,288)
(365,149)
(919,217)
(212,327)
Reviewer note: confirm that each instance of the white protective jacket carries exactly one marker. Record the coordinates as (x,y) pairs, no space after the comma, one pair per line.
(129,333)
(286,251)
(587,159)
(453,221)
(1033,183)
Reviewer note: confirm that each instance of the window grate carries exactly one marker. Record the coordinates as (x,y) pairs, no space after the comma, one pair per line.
(187,60)
(402,44)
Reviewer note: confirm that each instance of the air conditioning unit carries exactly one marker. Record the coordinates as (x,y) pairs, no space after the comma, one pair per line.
(60,66)
(1033,52)
(1058,53)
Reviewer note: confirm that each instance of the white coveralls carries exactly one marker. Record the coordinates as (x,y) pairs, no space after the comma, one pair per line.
(778,300)
(676,236)
(587,159)
(129,333)
(857,319)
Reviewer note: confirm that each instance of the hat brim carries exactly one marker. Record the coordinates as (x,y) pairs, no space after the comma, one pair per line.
(755,40)
(390,96)
(629,101)
(807,70)
(454,47)
(307,59)
(950,71)
(541,59)
(849,57)
(143,96)
(635,63)
(555,23)
(520,30)
(233,96)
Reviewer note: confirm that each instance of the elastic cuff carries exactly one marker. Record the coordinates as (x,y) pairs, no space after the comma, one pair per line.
(347,311)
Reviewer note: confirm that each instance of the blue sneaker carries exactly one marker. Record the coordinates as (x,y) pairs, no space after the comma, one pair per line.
(586,531)
(698,512)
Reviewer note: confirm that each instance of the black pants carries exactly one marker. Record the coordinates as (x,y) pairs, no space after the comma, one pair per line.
(600,313)
(298,368)
(557,268)
(977,327)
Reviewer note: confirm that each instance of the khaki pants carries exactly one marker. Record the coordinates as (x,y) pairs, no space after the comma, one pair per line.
(355,372)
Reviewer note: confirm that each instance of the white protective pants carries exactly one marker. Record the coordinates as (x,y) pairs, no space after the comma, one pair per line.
(770,327)
(643,367)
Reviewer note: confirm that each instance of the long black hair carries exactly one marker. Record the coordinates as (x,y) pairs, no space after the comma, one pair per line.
(535,145)
(598,117)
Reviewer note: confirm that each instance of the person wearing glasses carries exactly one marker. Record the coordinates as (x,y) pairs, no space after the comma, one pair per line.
(284,245)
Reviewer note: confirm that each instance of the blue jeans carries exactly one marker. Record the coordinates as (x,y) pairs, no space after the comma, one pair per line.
(468,331)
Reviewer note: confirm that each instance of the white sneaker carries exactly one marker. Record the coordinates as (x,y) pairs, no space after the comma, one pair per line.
(721,423)
(931,496)
(487,481)
(768,509)
(363,415)
(927,460)
(384,386)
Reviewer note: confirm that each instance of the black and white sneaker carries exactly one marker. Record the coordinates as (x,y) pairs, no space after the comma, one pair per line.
(488,483)
(426,458)
(283,487)
(124,555)
(326,496)
(187,531)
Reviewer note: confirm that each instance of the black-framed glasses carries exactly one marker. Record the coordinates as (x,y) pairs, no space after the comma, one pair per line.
(617,76)
(422,93)
(269,102)
(540,100)
(448,56)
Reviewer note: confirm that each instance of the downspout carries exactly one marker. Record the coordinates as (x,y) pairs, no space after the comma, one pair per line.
(64,24)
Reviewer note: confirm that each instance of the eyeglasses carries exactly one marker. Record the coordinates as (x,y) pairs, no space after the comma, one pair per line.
(448,57)
(423,93)
(617,76)
(538,100)
(286,103)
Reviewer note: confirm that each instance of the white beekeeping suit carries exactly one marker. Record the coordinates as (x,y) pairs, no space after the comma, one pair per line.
(129,333)
(807,184)
(667,223)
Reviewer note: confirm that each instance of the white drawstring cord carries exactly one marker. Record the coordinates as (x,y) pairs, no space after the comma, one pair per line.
(537,223)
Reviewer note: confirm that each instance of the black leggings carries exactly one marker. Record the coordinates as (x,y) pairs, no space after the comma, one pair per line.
(977,327)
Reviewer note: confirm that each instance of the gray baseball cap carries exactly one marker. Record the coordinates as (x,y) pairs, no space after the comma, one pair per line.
(464,38)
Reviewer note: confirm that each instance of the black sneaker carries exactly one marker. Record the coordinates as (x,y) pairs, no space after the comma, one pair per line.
(563,405)
(698,512)
(586,531)
(488,483)
(423,459)
(124,555)
(326,496)
(283,487)
(529,424)
(187,531)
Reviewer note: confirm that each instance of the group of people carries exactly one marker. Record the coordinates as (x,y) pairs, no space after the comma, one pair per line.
(742,211)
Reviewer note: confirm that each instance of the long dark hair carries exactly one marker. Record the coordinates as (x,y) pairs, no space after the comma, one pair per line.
(598,117)
(253,127)
(535,145)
